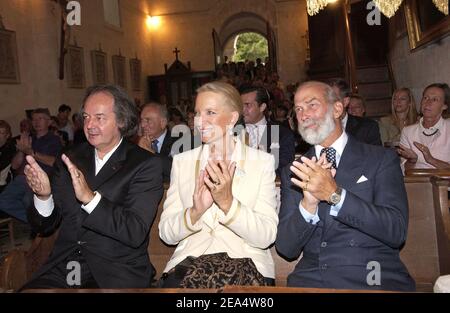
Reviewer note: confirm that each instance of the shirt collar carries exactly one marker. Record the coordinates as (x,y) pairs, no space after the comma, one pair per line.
(161,139)
(107,155)
(433,128)
(338,145)
(261,122)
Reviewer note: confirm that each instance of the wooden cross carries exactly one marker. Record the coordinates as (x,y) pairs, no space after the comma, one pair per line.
(176,51)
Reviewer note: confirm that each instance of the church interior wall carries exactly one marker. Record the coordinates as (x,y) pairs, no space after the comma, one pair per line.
(422,67)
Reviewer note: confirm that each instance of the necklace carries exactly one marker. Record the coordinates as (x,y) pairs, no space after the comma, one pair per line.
(432,134)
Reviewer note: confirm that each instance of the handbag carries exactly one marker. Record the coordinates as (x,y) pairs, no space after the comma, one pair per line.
(218,270)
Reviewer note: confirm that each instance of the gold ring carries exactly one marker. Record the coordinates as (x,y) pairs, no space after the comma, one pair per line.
(306,187)
(78,175)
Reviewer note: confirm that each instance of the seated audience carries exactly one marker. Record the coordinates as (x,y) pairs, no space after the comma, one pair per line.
(7,152)
(357,106)
(343,204)
(427,143)
(404,113)
(44,146)
(221,204)
(363,129)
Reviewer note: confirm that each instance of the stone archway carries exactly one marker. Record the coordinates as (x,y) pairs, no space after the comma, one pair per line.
(240,23)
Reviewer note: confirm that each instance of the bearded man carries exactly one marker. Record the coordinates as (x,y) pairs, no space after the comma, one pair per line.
(343,204)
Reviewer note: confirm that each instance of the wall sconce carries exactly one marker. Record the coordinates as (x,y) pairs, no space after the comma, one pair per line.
(153,21)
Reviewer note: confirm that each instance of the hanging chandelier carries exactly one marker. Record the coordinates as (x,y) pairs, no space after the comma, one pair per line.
(441,5)
(388,7)
(314,6)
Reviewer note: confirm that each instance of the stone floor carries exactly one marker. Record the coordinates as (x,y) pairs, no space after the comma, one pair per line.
(22,239)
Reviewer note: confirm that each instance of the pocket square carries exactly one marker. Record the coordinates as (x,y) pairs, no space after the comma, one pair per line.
(275,145)
(362,179)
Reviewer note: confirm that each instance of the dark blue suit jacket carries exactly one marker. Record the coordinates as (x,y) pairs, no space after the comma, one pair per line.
(279,141)
(371,225)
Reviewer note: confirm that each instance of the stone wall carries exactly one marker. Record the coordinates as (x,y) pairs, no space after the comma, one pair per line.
(422,67)
(37,27)
(186,25)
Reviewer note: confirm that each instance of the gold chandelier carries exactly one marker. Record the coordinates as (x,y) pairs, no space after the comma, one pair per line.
(314,6)
(441,5)
(388,7)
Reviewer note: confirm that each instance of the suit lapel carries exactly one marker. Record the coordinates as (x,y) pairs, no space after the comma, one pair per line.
(349,169)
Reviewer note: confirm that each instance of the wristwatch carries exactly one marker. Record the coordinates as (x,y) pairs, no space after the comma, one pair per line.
(335,196)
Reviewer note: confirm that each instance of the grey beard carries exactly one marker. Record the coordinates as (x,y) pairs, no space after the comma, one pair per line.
(315,137)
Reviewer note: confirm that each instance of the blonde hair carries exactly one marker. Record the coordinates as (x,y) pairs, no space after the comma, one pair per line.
(230,94)
(411,118)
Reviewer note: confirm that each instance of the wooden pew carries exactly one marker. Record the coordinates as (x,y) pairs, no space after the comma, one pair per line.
(427,249)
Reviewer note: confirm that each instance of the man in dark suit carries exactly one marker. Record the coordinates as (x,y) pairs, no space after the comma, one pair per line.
(361,128)
(343,204)
(103,196)
(265,135)
(156,138)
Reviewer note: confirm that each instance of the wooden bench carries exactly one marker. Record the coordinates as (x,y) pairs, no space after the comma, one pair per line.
(427,249)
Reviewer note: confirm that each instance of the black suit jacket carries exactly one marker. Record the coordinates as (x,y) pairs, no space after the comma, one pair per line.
(279,141)
(371,225)
(165,155)
(363,129)
(114,237)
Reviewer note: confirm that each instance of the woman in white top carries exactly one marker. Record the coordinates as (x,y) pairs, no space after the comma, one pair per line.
(222,196)
(427,143)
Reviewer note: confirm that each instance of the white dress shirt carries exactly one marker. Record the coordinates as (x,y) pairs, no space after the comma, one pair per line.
(45,207)
(255,132)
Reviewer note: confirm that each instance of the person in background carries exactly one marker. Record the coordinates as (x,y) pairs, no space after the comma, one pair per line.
(363,129)
(44,146)
(156,137)
(263,134)
(64,120)
(7,152)
(427,143)
(404,113)
(357,106)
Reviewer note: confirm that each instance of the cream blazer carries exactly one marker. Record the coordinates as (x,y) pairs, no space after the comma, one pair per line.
(250,226)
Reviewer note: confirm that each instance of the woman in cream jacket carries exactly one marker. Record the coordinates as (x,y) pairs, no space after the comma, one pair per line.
(222,195)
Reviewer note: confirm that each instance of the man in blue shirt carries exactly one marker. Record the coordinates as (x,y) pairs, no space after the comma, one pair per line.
(44,146)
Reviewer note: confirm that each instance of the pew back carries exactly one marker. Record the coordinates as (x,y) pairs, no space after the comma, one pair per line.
(426,252)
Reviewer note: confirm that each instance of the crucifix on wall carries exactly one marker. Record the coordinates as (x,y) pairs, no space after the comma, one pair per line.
(176,51)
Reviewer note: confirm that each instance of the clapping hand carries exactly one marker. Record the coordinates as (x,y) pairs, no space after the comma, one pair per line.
(219,181)
(37,179)
(316,178)
(82,190)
